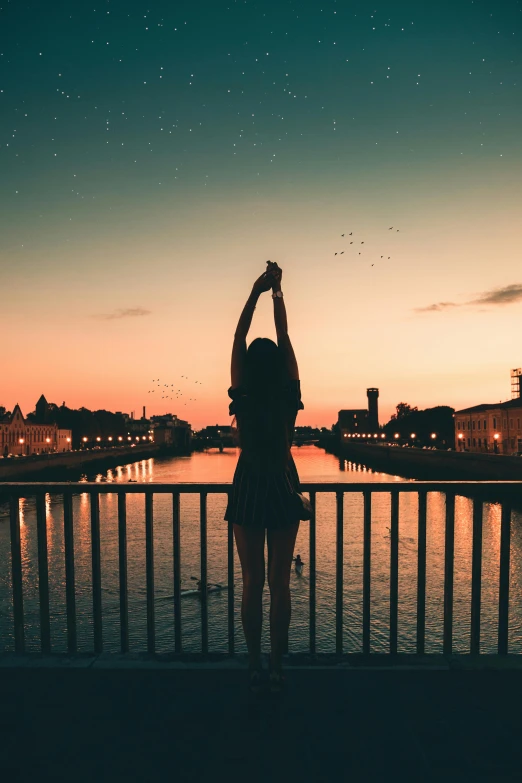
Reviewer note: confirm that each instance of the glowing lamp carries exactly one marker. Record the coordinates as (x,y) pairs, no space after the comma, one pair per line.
(460,435)
(496,435)
(396,435)
(98,438)
(433,435)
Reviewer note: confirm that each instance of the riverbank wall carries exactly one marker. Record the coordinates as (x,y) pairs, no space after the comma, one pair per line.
(39,467)
(429,464)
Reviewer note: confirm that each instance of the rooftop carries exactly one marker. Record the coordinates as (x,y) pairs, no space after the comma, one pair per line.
(119,718)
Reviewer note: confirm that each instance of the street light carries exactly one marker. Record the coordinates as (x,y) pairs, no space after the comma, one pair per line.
(120,437)
(396,435)
(433,435)
(110,437)
(98,438)
(496,435)
(68,440)
(383,435)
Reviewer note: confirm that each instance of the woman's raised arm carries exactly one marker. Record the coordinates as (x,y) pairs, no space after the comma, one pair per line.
(281,326)
(263,283)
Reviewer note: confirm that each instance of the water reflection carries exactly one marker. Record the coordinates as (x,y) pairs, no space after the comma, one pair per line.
(313,465)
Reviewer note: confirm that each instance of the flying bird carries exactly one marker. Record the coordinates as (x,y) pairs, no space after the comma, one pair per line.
(362,243)
(382,256)
(351,243)
(373,264)
(389,258)
(397,229)
(342,235)
(342,251)
(390,228)
(350,234)
(335,254)
(359,254)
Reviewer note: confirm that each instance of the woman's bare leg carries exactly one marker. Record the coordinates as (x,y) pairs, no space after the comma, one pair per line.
(250,544)
(280,553)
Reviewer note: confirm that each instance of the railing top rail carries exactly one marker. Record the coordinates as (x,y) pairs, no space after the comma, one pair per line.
(220,487)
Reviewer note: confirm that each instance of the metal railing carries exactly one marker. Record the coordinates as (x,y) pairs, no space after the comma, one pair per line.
(14,491)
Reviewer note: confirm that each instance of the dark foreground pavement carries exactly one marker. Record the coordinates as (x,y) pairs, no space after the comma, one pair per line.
(86,723)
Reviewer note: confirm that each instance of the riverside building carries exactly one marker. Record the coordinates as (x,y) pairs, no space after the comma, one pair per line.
(493,428)
(23,437)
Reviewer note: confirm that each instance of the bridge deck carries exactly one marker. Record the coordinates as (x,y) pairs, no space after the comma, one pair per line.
(90,719)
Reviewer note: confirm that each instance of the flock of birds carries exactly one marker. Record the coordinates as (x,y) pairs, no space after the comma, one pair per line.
(362,243)
(168,392)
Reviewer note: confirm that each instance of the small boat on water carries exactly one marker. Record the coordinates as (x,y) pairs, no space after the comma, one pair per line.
(194,591)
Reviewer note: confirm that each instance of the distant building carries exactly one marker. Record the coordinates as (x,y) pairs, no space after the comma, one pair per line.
(352,421)
(359,421)
(494,427)
(490,428)
(40,436)
(168,430)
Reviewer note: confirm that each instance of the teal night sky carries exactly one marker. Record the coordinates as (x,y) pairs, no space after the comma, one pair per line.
(153,155)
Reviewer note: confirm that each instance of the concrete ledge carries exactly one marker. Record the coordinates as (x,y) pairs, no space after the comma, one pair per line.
(222,661)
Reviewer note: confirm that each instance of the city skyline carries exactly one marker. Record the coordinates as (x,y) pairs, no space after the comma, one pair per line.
(154,158)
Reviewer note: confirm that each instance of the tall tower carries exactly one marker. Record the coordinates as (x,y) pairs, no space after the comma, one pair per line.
(144,412)
(516,383)
(373,409)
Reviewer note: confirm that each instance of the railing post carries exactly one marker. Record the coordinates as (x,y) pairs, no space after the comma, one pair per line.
(421,573)
(149,575)
(394,571)
(230,554)
(96,573)
(177,570)
(367,533)
(503,593)
(122,557)
(476,577)
(339,576)
(70,590)
(16,569)
(449,546)
(203,564)
(43,574)
(312,577)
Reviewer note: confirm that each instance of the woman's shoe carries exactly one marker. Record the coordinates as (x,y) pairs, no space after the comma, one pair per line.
(255,681)
(276,680)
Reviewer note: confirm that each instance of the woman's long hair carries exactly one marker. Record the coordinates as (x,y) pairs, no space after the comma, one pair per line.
(262,425)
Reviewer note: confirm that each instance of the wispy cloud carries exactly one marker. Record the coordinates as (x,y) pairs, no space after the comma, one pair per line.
(496,296)
(127,312)
(500,296)
(434,307)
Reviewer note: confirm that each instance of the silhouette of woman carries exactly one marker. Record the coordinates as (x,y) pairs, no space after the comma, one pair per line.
(266,397)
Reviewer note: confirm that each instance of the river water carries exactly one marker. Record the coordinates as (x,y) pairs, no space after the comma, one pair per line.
(313,464)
